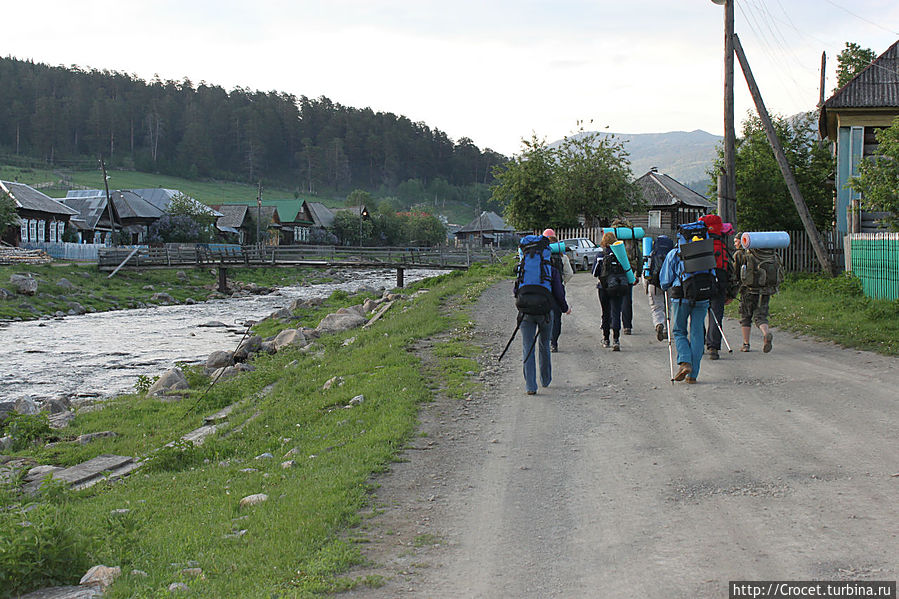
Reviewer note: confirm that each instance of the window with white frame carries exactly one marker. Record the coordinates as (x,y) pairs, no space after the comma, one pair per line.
(97,237)
(655,219)
(60,229)
(24,224)
(52,231)
(41,231)
(32,230)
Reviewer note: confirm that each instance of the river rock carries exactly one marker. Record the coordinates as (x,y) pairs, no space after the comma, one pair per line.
(65,284)
(288,337)
(218,359)
(224,373)
(253,499)
(333,323)
(77,309)
(212,324)
(282,314)
(101,576)
(171,380)
(26,405)
(163,297)
(6,407)
(24,284)
(369,306)
(247,348)
(6,294)
(88,437)
(56,406)
(182,276)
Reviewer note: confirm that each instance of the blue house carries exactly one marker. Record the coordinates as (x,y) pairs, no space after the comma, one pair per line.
(849,119)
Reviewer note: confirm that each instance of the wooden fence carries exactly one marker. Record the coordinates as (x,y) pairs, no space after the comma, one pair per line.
(874,258)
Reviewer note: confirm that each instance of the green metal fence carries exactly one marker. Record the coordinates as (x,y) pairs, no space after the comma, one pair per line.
(874,258)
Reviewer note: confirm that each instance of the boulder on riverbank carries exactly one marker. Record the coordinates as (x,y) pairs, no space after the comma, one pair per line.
(171,380)
(336,322)
(218,359)
(24,284)
(288,337)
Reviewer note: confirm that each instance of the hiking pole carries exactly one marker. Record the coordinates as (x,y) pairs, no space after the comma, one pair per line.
(515,332)
(668,326)
(533,345)
(718,324)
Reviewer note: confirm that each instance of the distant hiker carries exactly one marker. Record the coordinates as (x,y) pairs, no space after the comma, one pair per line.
(661,245)
(560,261)
(722,268)
(689,289)
(635,256)
(538,291)
(611,288)
(760,273)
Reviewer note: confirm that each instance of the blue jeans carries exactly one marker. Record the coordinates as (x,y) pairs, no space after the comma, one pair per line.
(627,308)
(539,327)
(690,342)
(611,313)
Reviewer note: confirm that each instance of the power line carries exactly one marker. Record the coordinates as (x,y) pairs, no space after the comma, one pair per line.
(861,18)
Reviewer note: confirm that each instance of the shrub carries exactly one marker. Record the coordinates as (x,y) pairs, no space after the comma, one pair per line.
(26,428)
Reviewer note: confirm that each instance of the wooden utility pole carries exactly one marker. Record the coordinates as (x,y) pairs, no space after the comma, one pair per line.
(258,212)
(804,214)
(108,199)
(821,89)
(727,197)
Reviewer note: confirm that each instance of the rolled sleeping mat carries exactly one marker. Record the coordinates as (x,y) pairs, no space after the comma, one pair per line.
(621,254)
(625,232)
(647,251)
(557,247)
(762,240)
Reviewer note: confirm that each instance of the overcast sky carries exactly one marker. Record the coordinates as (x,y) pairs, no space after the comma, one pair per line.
(495,71)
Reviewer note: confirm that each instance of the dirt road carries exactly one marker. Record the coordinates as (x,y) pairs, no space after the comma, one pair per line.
(613,482)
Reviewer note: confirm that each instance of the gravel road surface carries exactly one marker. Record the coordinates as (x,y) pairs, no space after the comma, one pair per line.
(613,482)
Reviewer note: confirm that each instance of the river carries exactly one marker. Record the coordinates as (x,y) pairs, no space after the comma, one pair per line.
(102,354)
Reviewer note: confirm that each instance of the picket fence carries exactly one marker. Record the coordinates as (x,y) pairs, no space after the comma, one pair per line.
(71,252)
(874,258)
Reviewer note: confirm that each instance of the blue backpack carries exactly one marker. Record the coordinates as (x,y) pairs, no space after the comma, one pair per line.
(698,281)
(660,248)
(534,270)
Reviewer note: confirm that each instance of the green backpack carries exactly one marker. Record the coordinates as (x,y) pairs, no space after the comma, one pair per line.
(762,271)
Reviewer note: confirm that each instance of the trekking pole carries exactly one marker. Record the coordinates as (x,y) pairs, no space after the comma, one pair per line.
(718,324)
(533,345)
(668,326)
(515,332)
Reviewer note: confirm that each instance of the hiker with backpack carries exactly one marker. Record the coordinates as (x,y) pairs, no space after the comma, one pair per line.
(635,256)
(661,245)
(722,269)
(759,273)
(688,278)
(611,288)
(561,262)
(538,291)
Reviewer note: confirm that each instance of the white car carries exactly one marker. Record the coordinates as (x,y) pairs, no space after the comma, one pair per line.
(582,252)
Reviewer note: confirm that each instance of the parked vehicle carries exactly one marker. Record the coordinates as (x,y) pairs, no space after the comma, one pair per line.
(582,252)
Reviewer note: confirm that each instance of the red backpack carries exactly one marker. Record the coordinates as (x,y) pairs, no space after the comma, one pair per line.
(722,252)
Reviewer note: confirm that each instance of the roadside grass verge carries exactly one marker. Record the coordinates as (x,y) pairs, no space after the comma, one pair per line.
(183,505)
(96,292)
(834,309)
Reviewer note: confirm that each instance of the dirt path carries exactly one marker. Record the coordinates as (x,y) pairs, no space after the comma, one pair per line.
(615,483)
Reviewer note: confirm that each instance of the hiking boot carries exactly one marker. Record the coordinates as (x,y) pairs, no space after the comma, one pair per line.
(616,346)
(685,369)
(745,347)
(532,393)
(626,331)
(605,343)
(661,333)
(767,347)
(553,348)
(713,353)
(691,380)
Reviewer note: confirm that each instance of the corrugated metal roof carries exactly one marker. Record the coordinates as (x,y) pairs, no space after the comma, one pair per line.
(128,204)
(487,221)
(877,86)
(89,209)
(28,198)
(660,190)
(321,214)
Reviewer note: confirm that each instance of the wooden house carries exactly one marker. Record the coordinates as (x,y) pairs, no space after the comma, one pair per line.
(41,219)
(130,214)
(234,225)
(670,203)
(488,228)
(849,119)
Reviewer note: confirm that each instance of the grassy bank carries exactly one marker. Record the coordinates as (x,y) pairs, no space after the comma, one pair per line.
(835,309)
(183,505)
(95,292)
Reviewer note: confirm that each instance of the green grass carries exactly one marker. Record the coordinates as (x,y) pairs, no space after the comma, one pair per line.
(184,503)
(835,309)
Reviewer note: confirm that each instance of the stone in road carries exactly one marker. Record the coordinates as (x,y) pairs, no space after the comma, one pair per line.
(615,483)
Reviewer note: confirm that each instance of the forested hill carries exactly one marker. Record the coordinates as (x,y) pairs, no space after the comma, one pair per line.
(72,115)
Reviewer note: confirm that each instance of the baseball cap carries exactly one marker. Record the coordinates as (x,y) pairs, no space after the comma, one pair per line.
(549,233)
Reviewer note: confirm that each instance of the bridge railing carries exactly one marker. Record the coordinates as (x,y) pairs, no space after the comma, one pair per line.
(258,255)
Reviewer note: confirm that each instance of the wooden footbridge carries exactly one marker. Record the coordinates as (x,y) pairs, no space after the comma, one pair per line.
(224,256)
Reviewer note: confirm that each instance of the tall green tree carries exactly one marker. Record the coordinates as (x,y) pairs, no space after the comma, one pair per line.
(763,199)
(526,187)
(878,178)
(352,229)
(8,215)
(594,178)
(851,61)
